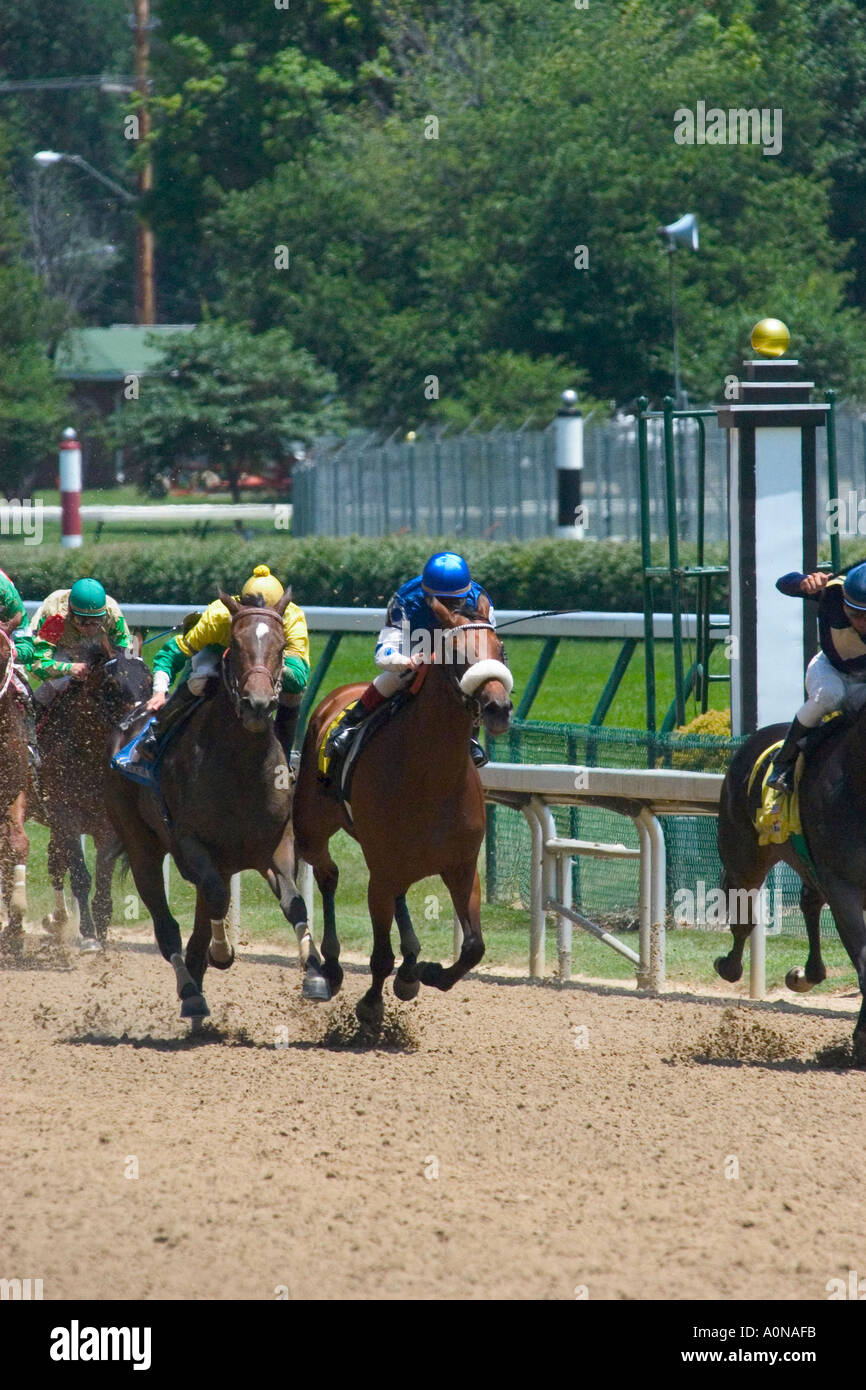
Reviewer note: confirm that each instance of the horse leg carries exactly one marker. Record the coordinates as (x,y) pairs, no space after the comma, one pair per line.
(57,873)
(730,967)
(209,941)
(106,854)
(145,860)
(327,876)
(798,979)
(380,901)
(79,878)
(845,901)
(406,981)
(281,878)
(464,885)
(18,849)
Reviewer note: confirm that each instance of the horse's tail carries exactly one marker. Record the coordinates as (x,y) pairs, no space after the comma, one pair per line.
(122,864)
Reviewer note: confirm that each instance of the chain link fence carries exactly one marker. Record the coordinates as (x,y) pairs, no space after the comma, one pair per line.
(502,485)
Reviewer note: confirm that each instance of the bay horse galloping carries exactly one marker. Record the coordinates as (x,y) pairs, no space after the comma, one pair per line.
(833,816)
(14,770)
(75,740)
(417,806)
(226,806)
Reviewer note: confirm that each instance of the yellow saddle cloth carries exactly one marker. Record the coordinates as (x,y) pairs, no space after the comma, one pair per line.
(778,815)
(324,757)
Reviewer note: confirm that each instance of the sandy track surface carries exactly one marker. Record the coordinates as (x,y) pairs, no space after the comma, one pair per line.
(573,1136)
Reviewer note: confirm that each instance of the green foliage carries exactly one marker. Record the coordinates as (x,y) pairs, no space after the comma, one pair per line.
(230,394)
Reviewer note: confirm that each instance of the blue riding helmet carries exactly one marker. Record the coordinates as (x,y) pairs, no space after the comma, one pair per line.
(854,587)
(446,575)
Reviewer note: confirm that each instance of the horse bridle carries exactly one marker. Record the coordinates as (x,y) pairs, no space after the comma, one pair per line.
(229,679)
(470,702)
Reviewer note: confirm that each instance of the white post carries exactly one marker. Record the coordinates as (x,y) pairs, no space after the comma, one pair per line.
(537,920)
(70,489)
(166,876)
(569,469)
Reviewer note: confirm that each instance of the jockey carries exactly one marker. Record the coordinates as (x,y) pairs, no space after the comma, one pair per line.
(445,577)
(836,677)
(203,645)
(13,620)
(66,619)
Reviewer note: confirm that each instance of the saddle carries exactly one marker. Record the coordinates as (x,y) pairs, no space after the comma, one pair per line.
(335,774)
(146,774)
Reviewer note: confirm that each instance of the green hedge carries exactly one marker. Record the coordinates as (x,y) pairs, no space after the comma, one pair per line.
(597,575)
(600,575)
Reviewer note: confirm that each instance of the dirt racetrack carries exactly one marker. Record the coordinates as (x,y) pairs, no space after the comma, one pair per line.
(505,1141)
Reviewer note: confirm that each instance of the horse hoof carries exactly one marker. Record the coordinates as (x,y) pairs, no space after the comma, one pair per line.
(370,1013)
(194,1007)
(406,989)
(797,981)
(89,943)
(430,973)
(221,964)
(333,973)
(315,986)
(728,972)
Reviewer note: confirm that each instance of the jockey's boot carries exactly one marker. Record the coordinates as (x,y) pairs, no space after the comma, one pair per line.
(173,709)
(285,724)
(477,753)
(341,741)
(782,776)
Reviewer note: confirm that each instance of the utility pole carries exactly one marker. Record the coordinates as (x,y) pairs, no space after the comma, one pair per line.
(145,296)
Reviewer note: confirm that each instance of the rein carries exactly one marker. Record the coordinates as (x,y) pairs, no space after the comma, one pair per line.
(10,663)
(498,669)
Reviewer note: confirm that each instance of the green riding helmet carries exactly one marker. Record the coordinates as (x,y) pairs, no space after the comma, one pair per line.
(87,599)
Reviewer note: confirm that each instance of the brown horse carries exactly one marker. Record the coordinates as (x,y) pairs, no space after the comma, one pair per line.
(14,769)
(76,737)
(417,806)
(226,806)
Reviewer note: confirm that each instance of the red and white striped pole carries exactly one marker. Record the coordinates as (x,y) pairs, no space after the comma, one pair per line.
(70,489)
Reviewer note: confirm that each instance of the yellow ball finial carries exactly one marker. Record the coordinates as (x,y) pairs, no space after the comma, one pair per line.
(770,338)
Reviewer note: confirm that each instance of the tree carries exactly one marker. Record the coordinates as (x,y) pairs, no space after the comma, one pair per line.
(236,396)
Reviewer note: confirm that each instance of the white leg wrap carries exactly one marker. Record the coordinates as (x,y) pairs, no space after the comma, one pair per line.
(19,887)
(219,943)
(305,941)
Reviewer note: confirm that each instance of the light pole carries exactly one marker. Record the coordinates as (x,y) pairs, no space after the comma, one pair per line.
(145,310)
(683,232)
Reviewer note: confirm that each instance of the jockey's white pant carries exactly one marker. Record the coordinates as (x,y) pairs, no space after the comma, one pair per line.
(828,690)
(203,666)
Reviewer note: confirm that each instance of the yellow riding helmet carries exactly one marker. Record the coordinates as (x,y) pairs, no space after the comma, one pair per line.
(261,581)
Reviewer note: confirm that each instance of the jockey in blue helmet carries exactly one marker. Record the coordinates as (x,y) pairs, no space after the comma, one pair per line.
(836,677)
(445,577)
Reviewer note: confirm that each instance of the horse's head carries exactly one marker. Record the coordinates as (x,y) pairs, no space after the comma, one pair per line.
(117,679)
(255,662)
(476,656)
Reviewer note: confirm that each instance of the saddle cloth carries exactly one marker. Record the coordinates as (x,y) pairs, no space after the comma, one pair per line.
(777,815)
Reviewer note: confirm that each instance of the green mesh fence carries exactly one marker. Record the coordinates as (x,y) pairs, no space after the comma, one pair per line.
(608,890)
